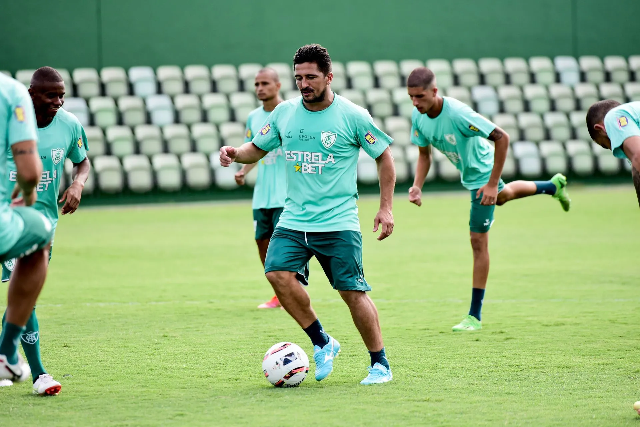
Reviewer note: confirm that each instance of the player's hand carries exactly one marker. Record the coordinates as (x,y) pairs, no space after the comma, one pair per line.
(239,176)
(72,195)
(415,196)
(227,155)
(384,218)
(489,194)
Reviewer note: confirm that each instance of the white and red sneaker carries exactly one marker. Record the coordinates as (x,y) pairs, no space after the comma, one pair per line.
(45,385)
(15,373)
(272,303)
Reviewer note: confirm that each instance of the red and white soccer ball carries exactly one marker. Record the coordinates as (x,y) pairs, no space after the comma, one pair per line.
(285,365)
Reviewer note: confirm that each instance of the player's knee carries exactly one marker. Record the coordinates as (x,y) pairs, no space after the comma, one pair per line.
(279,278)
(503,197)
(479,242)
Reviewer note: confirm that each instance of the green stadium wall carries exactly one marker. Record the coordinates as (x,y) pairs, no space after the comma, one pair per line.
(98,33)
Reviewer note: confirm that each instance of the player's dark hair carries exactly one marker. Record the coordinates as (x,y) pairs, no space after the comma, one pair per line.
(46,75)
(420,77)
(596,114)
(316,54)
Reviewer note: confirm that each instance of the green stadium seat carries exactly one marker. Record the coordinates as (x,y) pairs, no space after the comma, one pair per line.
(108,174)
(388,74)
(398,153)
(443,71)
(367,169)
(115,81)
(224,178)
(78,107)
(355,96)
(587,95)
(160,109)
(554,157)
(177,138)
(87,82)
(251,178)
(171,79)
(562,97)
(379,122)
(460,93)
(6,73)
(528,158)
(95,138)
(398,128)
(510,169)
(568,69)
(518,71)
(446,170)
(607,164)
(104,111)
(226,78)
(581,157)
(195,167)
(557,125)
(290,94)
(402,101)
(407,66)
(511,97)
(617,68)
(120,139)
(542,69)
(531,126)
(508,123)
(579,125)
(149,139)
(143,81)
(612,91)
(216,106)
(188,107)
(24,76)
(486,100)
(89,185)
(467,72)
(206,137)
(592,68)
(379,101)
(361,75)
(232,133)
(242,103)
(132,110)
(68,82)
(138,170)
(403,171)
(168,171)
(198,79)
(339,81)
(634,66)
(537,97)
(632,91)
(247,74)
(492,71)
(285,73)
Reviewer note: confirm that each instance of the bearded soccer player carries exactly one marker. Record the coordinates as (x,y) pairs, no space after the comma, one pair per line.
(458,132)
(60,136)
(616,127)
(24,232)
(321,134)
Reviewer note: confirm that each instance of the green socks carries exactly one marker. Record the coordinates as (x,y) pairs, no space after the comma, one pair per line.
(30,344)
(9,341)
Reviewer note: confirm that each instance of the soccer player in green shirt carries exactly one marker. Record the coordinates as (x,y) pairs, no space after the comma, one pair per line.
(60,136)
(321,134)
(458,132)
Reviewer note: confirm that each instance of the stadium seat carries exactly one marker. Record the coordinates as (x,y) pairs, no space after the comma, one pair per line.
(568,69)
(339,81)
(171,79)
(68,82)
(143,81)
(196,170)
(226,78)
(132,110)
(492,71)
(562,97)
(528,158)
(398,153)
(379,102)
(388,74)
(486,100)
(108,173)
(216,106)
(355,96)
(379,122)
(443,71)
(87,82)
(160,109)
(398,128)
(360,74)
(634,66)
(537,97)
(367,169)
(188,107)
(511,97)
(285,73)
(177,138)
(412,154)
(78,107)
(232,133)
(149,139)
(518,71)
(95,137)
(542,69)
(205,137)
(579,125)
(467,72)
(138,170)
(531,126)
(510,169)
(247,73)
(6,73)
(115,81)
(291,94)
(224,178)
(168,171)
(402,102)
(592,68)
(407,66)
(587,94)
(104,111)
(120,141)
(612,91)
(581,157)
(24,76)
(557,125)
(555,160)
(402,170)
(198,79)
(617,68)
(445,169)
(607,164)
(509,124)
(242,103)
(632,91)
(460,93)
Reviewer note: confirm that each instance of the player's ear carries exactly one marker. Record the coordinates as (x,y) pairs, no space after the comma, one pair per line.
(329,77)
(599,127)
(278,85)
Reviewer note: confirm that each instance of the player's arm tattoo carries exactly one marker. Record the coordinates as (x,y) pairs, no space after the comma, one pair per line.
(23,151)
(495,135)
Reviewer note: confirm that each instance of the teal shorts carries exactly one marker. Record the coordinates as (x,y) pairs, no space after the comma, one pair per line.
(338,252)
(36,235)
(265,221)
(481,216)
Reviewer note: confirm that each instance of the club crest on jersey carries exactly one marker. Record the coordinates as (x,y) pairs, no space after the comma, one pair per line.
(265,130)
(328,138)
(57,155)
(451,138)
(19,114)
(622,121)
(473,128)
(370,138)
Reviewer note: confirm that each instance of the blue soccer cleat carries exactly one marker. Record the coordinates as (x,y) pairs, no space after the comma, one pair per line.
(324,358)
(378,374)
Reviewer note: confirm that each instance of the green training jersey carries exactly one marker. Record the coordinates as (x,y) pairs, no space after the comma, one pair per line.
(17,124)
(459,133)
(321,151)
(621,123)
(63,138)
(271,186)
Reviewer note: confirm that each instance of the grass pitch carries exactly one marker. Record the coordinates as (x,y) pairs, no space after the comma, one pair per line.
(149,317)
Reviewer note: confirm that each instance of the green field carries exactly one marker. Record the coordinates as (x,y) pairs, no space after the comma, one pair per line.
(149,317)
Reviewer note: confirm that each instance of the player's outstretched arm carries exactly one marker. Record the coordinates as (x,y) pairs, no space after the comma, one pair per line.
(490,190)
(422,170)
(631,148)
(387,177)
(72,195)
(247,153)
(29,168)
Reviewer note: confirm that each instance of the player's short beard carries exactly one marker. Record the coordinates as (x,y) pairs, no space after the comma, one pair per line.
(318,98)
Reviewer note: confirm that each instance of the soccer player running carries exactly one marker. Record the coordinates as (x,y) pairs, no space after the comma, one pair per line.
(616,127)
(458,132)
(321,134)
(24,232)
(60,136)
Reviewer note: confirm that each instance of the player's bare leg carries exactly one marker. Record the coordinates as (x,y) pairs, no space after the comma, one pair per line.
(555,187)
(263,245)
(480,249)
(636,182)
(516,190)
(293,297)
(365,317)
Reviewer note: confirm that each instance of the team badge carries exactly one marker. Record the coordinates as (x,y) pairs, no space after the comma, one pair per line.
(30,337)
(473,128)
(415,133)
(248,133)
(370,138)
(451,138)
(57,155)
(622,121)
(80,142)
(265,130)
(328,138)
(19,111)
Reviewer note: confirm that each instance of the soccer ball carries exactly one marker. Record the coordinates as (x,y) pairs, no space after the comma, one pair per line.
(285,365)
